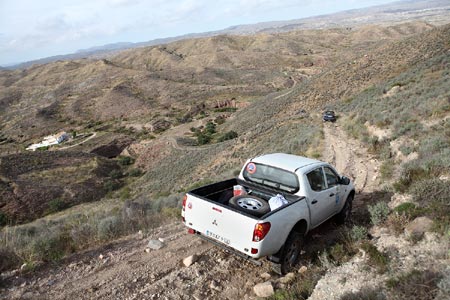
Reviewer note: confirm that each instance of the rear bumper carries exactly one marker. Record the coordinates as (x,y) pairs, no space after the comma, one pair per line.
(229,249)
(329,119)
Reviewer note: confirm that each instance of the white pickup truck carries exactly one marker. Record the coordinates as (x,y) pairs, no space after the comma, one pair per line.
(253,224)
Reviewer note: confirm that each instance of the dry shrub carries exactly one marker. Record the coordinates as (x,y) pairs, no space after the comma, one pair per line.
(397,223)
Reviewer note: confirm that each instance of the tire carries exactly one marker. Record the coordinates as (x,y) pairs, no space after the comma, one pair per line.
(344,215)
(250,204)
(290,252)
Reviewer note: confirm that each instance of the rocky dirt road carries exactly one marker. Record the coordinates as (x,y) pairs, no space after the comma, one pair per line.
(350,158)
(124,270)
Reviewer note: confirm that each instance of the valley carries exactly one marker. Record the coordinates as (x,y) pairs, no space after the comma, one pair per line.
(155,122)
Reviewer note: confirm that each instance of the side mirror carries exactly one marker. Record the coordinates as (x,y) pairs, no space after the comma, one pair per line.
(345,180)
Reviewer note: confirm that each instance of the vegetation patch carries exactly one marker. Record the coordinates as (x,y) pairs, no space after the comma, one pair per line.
(49,240)
(378,212)
(227,136)
(302,288)
(364,294)
(377,259)
(358,233)
(415,284)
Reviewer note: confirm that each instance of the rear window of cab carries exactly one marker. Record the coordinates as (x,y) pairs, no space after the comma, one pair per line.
(271,177)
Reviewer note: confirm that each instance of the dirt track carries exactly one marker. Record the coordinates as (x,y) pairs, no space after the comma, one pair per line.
(350,158)
(126,271)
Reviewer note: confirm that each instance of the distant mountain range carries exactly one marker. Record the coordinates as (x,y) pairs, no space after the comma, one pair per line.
(436,12)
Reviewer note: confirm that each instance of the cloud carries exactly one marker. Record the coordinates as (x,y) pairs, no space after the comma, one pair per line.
(121,3)
(55,23)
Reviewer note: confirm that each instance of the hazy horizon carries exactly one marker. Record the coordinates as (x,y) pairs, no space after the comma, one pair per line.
(34,30)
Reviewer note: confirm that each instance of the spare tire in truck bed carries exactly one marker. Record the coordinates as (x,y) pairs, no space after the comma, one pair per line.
(250,204)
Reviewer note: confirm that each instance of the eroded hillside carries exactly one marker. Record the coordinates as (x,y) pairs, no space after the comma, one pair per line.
(174,82)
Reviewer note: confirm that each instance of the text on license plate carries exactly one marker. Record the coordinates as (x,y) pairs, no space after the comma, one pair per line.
(217,237)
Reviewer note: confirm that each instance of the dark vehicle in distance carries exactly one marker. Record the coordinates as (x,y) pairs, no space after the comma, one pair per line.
(329,115)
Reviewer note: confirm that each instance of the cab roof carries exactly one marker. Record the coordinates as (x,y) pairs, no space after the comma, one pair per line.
(285,161)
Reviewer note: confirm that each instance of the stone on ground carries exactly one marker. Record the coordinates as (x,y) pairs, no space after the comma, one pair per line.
(289,277)
(264,289)
(188,261)
(155,244)
(418,227)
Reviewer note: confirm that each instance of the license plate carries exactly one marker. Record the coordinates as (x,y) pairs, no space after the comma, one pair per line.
(217,237)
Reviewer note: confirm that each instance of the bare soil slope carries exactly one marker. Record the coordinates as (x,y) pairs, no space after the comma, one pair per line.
(38,183)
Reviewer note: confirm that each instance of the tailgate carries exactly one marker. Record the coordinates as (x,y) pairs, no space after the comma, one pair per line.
(220,223)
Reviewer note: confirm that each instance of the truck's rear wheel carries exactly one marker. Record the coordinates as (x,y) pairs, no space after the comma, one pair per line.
(290,252)
(250,204)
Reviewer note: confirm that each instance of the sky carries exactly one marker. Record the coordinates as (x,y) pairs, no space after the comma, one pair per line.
(33,29)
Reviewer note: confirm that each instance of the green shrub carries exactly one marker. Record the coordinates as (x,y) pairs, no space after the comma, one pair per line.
(3,219)
(52,247)
(203,139)
(378,212)
(358,233)
(387,169)
(302,288)
(378,260)
(407,149)
(135,172)
(210,128)
(339,254)
(125,193)
(56,205)
(116,174)
(444,285)
(125,160)
(410,210)
(82,235)
(225,109)
(432,195)
(111,185)
(108,227)
(228,136)
(364,294)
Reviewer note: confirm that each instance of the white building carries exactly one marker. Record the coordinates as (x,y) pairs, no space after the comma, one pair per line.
(50,140)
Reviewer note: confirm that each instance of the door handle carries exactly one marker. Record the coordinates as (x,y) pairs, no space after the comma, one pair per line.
(332,194)
(314,201)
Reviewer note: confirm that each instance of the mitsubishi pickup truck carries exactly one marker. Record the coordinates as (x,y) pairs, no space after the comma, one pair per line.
(269,208)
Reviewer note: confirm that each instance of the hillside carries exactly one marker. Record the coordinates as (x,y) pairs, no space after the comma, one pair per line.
(39,183)
(170,108)
(171,83)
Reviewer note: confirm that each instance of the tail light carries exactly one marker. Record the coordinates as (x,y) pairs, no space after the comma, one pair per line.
(260,231)
(184,202)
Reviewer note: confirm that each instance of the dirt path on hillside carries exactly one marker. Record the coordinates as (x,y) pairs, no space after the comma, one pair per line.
(93,135)
(124,270)
(350,158)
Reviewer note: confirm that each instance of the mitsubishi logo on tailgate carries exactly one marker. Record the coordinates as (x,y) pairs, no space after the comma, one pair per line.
(214,222)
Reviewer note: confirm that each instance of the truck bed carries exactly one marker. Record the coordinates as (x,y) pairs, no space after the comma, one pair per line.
(222,192)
